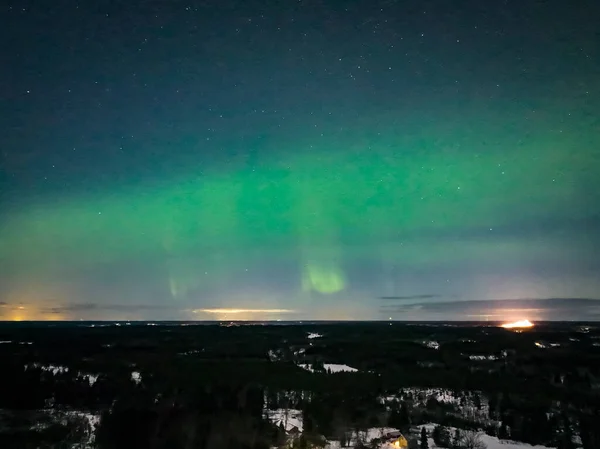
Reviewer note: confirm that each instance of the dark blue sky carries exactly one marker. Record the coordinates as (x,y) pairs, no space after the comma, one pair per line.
(297,159)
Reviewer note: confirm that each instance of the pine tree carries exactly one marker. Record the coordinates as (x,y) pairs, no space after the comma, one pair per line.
(444,437)
(404,418)
(281,437)
(424,444)
(456,439)
(503,432)
(477,401)
(492,406)
(436,434)
(566,439)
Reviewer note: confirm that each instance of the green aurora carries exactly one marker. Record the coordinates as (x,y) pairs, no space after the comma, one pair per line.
(349,200)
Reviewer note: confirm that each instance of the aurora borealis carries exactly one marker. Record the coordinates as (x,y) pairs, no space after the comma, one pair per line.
(263,160)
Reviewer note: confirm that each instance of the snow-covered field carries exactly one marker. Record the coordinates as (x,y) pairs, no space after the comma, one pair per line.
(364,437)
(60,369)
(92,421)
(471,405)
(483,357)
(432,344)
(421,395)
(333,367)
(489,441)
(54,369)
(40,420)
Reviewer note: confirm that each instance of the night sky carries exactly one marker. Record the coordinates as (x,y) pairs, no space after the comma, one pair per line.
(300,159)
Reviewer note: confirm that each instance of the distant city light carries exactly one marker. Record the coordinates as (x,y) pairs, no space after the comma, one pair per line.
(518,324)
(234,311)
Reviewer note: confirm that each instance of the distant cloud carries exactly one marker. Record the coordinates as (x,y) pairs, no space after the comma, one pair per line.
(409,297)
(568,309)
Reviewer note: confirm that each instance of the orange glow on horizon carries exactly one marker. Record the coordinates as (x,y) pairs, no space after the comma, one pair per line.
(518,324)
(226,314)
(237,311)
(29,313)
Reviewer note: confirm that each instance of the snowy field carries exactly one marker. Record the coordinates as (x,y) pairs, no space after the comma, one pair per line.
(366,437)
(59,369)
(489,441)
(333,367)
(422,394)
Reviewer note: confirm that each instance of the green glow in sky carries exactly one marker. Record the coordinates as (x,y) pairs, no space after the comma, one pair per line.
(313,157)
(325,280)
(345,200)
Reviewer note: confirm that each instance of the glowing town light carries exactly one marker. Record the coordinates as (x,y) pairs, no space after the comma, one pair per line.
(518,324)
(237,311)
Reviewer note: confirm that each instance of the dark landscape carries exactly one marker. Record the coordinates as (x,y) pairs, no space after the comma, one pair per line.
(313,384)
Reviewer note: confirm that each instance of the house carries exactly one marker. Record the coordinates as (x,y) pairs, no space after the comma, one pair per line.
(294,432)
(400,442)
(394,440)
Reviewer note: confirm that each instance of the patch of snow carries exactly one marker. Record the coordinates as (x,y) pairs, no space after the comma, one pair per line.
(192,352)
(489,441)
(314,335)
(54,369)
(92,421)
(432,344)
(365,437)
(289,418)
(91,378)
(378,432)
(136,377)
(333,367)
(472,405)
(439,394)
(274,355)
(483,357)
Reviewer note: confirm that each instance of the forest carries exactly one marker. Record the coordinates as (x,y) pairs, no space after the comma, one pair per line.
(240,385)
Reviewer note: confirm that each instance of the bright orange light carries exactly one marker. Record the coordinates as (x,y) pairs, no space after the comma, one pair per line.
(226,314)
(518,324)
(235,311)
